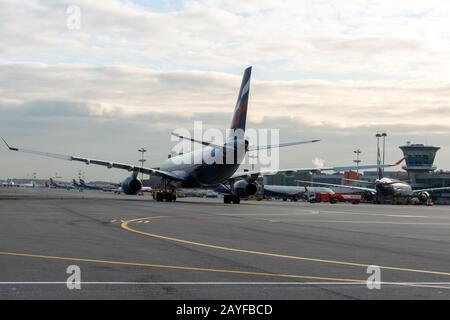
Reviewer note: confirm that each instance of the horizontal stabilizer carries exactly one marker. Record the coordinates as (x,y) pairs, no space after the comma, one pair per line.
(273,146)
(208,144)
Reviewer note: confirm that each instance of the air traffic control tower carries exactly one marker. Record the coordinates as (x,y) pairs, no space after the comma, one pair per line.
(419,159)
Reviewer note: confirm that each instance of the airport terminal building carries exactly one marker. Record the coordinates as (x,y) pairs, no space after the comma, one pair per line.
(419,171)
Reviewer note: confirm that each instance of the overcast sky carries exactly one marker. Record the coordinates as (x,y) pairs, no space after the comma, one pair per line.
(136,70)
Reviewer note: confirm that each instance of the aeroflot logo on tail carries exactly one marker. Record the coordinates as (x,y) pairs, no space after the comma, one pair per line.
(229,147)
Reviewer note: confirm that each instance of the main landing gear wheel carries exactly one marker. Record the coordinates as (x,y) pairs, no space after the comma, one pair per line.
(168,196)
(229,198)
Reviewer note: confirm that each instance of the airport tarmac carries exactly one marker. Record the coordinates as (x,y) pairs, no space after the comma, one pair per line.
(131,247)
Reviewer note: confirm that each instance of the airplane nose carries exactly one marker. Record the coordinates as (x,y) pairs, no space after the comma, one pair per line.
(385,189)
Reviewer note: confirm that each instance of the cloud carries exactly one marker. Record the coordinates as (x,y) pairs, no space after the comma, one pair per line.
(133,73)
(383,39)
(131,92)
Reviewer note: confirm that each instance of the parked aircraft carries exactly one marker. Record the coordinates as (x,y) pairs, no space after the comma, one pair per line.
(60,185)
(293,193)
(386,187)
(9,183)
(30,184)
(119,190)
(95,186)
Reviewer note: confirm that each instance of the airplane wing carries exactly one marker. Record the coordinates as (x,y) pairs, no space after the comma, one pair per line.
(253,175)
(431,189)
(339,185)
(104,163)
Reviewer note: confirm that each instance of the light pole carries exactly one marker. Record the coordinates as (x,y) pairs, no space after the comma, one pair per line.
(384,134)
(142,160)
(252,156)
(378,136)
(357,161)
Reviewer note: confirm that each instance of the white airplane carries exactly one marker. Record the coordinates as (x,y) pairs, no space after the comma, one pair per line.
(179,172)
(293,193)
(119,190)
(383,187)
(94,186)
(11,183)
(60,185)
(8,183)
(30,184)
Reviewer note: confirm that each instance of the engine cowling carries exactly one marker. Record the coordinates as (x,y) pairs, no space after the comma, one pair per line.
(131,185)
(423,196)
(244,189)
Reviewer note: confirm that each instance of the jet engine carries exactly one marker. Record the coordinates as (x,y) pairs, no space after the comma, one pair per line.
(423,196)
(131,185)
(244,189)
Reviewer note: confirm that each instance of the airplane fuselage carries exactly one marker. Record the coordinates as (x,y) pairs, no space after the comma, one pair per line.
(278,190)
(199,169)
(387,186)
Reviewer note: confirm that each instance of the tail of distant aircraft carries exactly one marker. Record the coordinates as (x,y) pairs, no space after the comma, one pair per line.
(240,112)
(53,183)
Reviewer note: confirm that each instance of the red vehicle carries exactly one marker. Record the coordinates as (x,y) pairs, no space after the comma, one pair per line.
(354,198)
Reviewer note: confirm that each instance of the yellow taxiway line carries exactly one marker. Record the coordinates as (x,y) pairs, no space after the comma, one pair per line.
(239,272)
(161,266)
(125,225)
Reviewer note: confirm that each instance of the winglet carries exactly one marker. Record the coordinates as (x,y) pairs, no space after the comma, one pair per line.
(9,147)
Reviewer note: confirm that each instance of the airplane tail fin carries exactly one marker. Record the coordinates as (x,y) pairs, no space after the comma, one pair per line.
(240,112)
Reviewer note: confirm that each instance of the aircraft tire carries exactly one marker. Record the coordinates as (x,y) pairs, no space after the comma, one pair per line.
(227,198)
(168,197)
(236,199)
(159,196)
